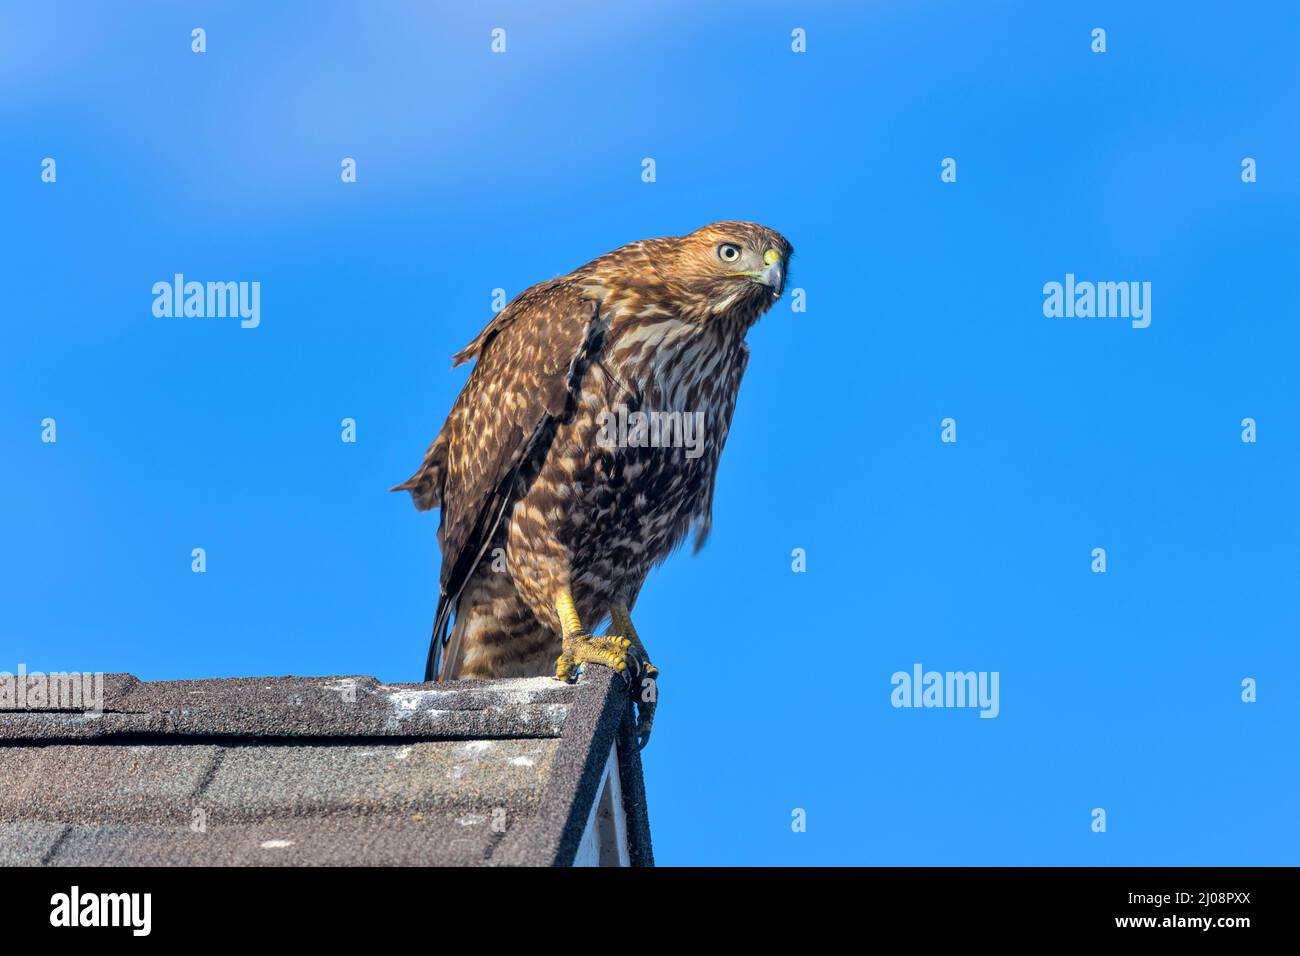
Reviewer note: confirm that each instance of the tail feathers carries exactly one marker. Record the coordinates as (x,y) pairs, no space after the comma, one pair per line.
(435,666)
(454,649)
(446,650)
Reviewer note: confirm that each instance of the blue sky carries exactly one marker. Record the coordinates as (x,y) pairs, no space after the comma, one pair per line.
(924,301)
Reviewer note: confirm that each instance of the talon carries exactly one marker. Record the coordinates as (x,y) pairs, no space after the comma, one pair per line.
(566,669)
(645,709)
(582,647)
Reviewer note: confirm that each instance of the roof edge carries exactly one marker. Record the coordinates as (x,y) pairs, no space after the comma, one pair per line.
(556,829)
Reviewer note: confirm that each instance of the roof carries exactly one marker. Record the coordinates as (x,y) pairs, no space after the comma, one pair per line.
(329,770)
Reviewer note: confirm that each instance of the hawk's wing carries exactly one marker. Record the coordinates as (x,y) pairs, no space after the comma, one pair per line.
(726,407)
(530,362)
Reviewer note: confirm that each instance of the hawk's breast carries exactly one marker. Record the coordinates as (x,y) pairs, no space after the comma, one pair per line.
(649,427)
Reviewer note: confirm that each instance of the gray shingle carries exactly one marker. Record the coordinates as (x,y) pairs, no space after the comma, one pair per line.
(446,840)
(375,777)
(71,783)
(28,842)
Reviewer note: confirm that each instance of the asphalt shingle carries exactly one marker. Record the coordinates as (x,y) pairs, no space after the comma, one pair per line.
(336,771)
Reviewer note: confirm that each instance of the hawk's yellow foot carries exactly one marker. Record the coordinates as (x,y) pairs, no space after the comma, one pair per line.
(582,647)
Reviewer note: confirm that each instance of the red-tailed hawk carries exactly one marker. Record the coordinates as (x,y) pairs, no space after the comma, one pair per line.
(584,447)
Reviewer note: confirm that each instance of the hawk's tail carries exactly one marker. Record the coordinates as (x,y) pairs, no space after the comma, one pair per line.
(438,666)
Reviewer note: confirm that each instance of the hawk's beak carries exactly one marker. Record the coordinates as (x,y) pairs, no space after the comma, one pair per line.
(772,275)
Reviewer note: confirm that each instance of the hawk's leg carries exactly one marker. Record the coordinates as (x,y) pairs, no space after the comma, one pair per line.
(647,694)
(579,646)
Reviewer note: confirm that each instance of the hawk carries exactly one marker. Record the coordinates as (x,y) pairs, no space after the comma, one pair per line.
(557,491)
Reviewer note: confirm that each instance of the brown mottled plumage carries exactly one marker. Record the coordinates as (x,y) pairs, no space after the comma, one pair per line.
(533,502)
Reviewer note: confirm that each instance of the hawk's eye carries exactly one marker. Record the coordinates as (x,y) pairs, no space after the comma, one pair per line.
(728,252)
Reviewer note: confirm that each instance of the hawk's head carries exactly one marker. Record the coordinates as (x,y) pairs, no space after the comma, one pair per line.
(728,264)
(725,269)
